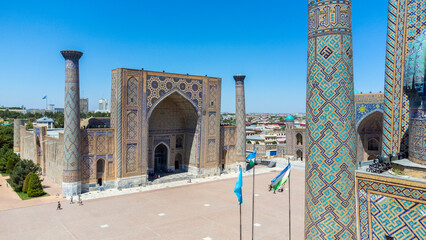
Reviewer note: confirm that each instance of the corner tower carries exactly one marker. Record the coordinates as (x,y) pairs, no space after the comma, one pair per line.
(240,118)
(17,123)
(330,164)
(71,184)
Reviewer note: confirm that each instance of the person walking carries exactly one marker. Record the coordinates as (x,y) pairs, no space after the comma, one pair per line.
(80,202)
(71,200)
(59,206)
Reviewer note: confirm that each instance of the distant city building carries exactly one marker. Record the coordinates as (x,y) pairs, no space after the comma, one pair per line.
(59,110)
(103,105)
(45,122)
(51,107)
(84,105)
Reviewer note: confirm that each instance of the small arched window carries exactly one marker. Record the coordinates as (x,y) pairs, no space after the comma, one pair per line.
(179,142)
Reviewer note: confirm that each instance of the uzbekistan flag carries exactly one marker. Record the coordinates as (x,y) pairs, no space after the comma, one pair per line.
(281,178)
(44,97)
(249,160)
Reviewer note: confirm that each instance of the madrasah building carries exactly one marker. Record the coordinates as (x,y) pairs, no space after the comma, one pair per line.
(160,123)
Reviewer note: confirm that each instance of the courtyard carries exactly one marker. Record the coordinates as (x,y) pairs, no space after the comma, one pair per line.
(206,210)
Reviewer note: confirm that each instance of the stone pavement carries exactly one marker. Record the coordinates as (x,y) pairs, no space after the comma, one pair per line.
(9,199)
(208,210)
(167,183)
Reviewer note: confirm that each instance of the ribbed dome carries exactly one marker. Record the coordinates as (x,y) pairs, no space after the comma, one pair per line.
(289,118)
(414,76)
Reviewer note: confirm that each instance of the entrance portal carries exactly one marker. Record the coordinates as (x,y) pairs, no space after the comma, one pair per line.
(100,168)
(160,158)
(370,136)
(299,154)
(172,122)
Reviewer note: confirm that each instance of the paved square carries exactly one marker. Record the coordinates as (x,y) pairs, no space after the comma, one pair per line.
(194,211)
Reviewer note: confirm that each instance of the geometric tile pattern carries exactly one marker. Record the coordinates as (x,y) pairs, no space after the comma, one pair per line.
(330,182)
(417,150)
(101,144)
(406,20)
(364,109)
(397,218)
(132,91)
(240,120)
(391,208)
(132,125)
(87,169)
(71,117)
(157,86)
(131,158)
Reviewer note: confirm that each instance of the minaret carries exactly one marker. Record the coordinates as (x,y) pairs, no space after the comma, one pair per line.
(240,118)
(71,184)
(330,166)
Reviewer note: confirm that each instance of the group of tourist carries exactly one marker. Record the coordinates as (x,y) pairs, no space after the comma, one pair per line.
(80,202)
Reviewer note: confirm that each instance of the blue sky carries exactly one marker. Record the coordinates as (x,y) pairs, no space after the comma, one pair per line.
(264,40)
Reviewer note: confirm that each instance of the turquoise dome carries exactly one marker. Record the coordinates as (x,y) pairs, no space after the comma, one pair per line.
(289,118)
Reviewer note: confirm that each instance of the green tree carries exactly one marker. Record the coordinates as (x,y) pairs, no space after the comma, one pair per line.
(30,125)
(6,136)
(26,182)
(9,166)
(20,171)
(35,188)
(249,142)
(7,154)
(274,142)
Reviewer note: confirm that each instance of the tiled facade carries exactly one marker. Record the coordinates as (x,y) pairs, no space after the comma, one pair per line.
(406,20)
(390,206)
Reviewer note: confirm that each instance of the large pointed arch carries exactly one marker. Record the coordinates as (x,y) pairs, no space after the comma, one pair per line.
(369,130)
(174,118)
(177,91)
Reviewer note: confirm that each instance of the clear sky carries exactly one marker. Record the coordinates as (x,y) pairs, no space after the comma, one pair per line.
(266,40)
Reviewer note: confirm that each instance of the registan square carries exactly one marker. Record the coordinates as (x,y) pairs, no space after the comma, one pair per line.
(213,120)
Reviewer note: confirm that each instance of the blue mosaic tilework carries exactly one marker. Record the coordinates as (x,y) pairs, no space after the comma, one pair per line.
(392,209)
(330,181)
(406,20)
(72,117)
(364,109)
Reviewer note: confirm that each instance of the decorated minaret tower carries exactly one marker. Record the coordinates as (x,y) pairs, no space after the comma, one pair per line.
(240,118)
(71,184)
(330,165)
(415,88)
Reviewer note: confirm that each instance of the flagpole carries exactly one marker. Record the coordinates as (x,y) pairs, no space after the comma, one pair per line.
(241,237)
(241,226)
(289,204)
(252,210)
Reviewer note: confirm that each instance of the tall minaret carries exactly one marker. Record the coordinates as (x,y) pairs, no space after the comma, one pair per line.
(71,184)
(330,166)
(240,118)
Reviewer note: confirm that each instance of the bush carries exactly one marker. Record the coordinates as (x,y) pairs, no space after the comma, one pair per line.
(20,172)
(10,164)
(26,182)
(35,188)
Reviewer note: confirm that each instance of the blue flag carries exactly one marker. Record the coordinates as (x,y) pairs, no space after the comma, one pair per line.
(249,160)
(44,97)
(238,186)
(251,155)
